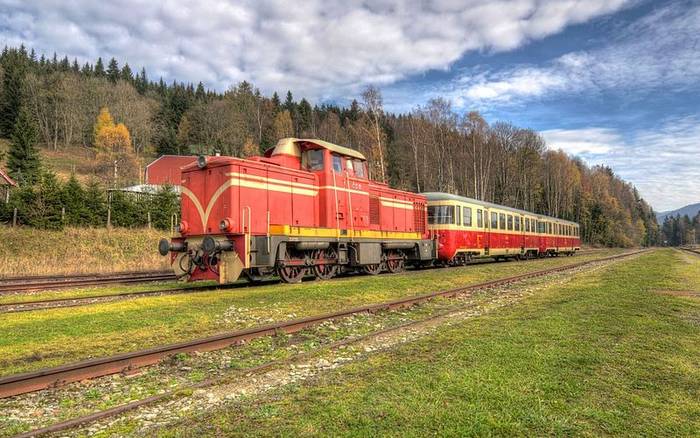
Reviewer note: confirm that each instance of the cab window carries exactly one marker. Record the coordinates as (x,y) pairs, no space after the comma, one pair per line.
(441,214)
(312,159)
(358,167)
(480,218)
(502,221)
(494,221)
(337,163)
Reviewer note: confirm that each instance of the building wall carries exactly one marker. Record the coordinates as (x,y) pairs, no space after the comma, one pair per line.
(166,169)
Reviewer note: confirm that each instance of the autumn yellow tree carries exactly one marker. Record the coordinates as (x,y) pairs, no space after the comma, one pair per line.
(250,148)
(113,145)
(282,125)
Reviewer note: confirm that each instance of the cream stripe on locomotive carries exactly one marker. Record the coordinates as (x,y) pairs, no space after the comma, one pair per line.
(276,185)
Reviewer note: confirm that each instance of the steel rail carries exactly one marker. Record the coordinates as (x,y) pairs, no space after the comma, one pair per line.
(57,277)
(77,301)
(31,284)
(127,362)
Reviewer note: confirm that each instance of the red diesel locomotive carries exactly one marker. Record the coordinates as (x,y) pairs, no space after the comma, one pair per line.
(308,208)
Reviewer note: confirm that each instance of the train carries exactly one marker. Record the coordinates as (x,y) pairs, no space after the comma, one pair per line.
(308,208)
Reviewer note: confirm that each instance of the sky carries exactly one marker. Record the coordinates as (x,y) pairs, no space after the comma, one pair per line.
(616,82)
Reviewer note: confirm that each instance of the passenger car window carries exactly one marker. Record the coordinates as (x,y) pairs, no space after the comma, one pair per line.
(517,223)
(510,221)
(502,221)
(312,159)
(480,218)
(337,163)
(467,216)
(494,221)
(441,214)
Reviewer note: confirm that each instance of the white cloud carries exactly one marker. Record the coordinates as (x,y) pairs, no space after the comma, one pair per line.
(321,49)
(595,141)
(658,50)
(663,163)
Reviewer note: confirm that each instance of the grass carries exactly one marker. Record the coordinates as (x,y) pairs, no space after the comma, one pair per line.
(602,355)
(27,251)
(33,340)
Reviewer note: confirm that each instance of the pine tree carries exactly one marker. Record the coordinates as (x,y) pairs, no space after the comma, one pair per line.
(23,162)
(99,68)
(200,95)
(95,204)
(305,115)
(276,102)
(162,206)
(14,70)
(289,104)
(126,73)
(75,203)
(141,82)
(113,70)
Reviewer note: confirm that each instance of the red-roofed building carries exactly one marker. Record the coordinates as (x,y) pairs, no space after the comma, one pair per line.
(6,184)
(166,169)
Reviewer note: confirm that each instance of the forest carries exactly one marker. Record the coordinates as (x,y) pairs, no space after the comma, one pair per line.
(681,230)
(126,119)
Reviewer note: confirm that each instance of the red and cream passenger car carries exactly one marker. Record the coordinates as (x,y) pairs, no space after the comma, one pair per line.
(466,228)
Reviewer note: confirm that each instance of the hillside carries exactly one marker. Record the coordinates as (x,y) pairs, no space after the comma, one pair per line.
(690,210)
(67,160)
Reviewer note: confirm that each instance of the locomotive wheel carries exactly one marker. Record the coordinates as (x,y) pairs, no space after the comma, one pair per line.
(325,271)
(395,263)
(372,269)
(291,274)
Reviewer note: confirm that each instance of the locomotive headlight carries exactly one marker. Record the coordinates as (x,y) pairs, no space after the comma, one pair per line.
(183,227)
(201,161)
(226,224)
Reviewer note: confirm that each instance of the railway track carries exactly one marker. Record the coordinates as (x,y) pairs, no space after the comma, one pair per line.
(127,362)
(38,283)
(694,251)
(54,303)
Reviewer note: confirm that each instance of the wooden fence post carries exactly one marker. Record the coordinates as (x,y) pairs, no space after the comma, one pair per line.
(63,214)
(14,218)
(149,220)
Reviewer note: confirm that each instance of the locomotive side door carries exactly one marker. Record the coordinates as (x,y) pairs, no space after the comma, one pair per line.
(339,180)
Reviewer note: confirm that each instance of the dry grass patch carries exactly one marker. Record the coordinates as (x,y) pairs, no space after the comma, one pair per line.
(26,251)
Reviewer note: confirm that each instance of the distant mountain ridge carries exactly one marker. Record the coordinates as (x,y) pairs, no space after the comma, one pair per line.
(691,210)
